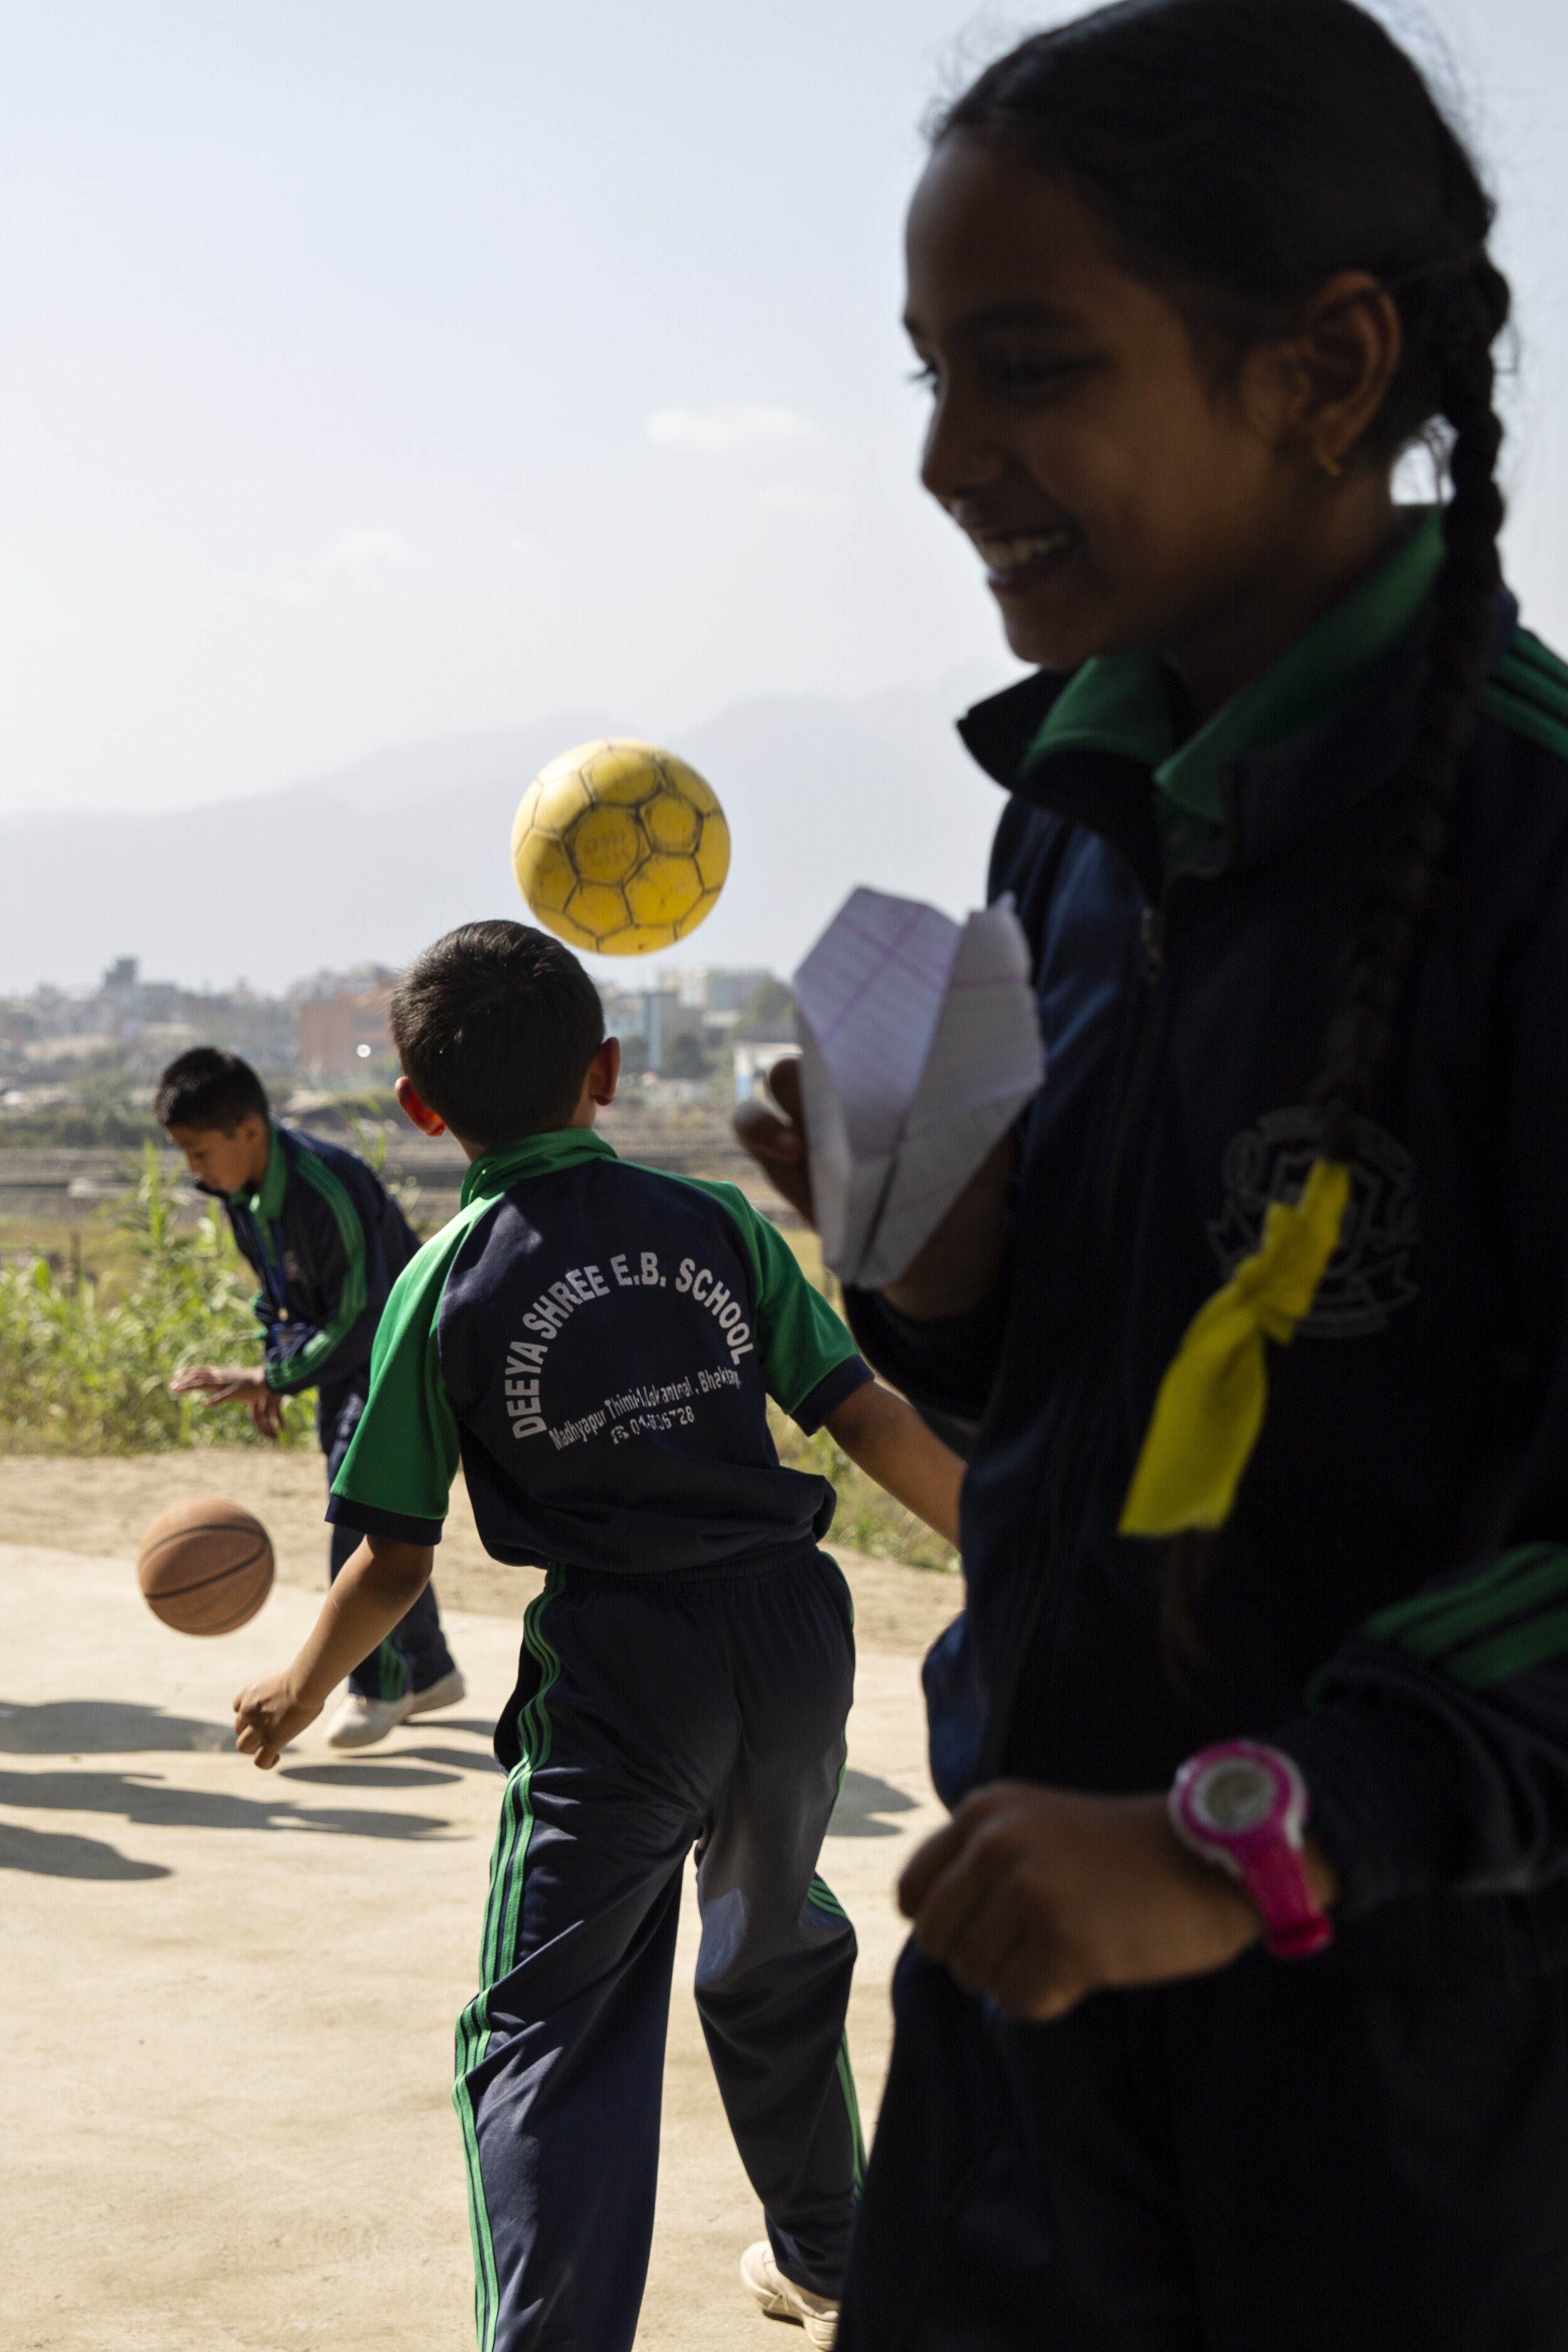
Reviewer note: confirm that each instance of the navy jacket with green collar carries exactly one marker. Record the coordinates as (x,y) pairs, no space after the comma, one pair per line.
(1390,1601)
(327,1242)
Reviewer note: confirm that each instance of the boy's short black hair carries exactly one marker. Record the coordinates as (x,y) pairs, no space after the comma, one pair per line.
(495,1026)
(206,1089)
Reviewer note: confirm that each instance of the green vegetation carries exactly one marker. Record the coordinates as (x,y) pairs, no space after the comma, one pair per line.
(82,1374)
(92,1248)
(101,1114)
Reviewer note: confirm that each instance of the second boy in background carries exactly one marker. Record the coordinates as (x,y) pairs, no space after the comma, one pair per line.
(598,1343)
(326,1241)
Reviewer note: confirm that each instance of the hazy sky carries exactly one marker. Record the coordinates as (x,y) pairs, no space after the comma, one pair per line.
(377,369)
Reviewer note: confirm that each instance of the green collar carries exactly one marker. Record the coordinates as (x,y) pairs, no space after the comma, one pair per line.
(1129,703)
(531,1155)
(266,1203)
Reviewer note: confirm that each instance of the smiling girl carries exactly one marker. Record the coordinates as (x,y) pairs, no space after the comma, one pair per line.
(1236,2014)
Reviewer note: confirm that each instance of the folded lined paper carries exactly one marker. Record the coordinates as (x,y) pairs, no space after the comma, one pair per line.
(920,1046)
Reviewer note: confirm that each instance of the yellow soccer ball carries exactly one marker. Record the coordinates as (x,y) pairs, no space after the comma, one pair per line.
(619,847)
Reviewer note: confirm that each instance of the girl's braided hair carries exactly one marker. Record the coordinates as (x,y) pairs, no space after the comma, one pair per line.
(1240,154)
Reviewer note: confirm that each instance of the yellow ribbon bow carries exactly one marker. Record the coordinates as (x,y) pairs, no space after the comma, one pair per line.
(1209,1411)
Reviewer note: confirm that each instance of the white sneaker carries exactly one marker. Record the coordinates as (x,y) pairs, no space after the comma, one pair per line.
(446,1693)
(361,1722)
(780,2298)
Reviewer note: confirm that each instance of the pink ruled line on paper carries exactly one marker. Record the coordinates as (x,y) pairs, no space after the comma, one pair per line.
(887,955)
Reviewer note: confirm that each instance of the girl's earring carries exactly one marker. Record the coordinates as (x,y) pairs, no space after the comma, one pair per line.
(1329,465)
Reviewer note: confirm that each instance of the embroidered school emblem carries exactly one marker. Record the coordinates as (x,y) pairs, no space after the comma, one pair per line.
(1368,1278)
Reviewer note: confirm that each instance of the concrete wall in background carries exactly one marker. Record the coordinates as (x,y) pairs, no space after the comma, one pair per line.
(345,1036)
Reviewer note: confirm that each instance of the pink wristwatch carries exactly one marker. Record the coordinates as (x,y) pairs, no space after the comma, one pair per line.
(1243,1807)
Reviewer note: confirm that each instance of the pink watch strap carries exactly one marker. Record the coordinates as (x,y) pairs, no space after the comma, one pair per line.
(1243,1806)
(1275,1876)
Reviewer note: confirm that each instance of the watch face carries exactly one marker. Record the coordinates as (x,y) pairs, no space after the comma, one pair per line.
(1235,1795)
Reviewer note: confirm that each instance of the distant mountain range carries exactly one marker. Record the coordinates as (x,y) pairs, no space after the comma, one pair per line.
(368,863)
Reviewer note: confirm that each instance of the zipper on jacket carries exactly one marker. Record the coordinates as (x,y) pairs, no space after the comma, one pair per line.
(1152,928)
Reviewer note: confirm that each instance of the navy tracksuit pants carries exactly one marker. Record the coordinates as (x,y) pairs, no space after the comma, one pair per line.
(415,1654)
(653,1715)
(1279,2157)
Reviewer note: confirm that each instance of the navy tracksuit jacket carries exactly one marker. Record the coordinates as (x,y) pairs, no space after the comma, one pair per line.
(597,1344)
(1369,2149)
(327,1241)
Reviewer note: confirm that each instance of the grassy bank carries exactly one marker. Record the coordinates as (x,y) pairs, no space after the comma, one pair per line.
(84,1368)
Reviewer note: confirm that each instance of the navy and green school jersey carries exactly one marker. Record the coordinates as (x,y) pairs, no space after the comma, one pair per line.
(596,1343)
(326,1241)
(1389,1599)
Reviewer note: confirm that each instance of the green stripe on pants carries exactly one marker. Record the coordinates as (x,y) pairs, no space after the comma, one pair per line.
(852,2107)
(509,1863)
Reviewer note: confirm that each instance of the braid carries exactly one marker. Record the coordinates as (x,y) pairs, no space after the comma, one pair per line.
(1470,312)
(1361,1029)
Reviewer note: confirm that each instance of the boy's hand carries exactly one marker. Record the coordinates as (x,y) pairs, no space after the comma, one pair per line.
(220,1383)
(1039,1895)
(373,1592)
(225,1384)
(268,1716)
(266,1407)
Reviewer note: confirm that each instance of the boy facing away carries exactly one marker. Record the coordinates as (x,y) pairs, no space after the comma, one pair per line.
(595,1343)
(326,1241)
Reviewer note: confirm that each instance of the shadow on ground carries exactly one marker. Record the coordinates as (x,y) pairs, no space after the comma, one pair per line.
(461,1759)
(55,1854)
(144,1797)
(860,1799)
(394,1771)
(104,1727)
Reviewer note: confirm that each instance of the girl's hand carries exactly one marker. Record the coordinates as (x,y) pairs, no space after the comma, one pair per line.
(1039,1895)
(956,1267)
(779,1145)
(268,1716)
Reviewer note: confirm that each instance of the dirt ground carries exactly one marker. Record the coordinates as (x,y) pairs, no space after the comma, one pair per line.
(226,2045)
(101,1506)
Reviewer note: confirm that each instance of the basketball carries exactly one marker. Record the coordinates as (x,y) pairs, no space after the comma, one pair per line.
(205,1566)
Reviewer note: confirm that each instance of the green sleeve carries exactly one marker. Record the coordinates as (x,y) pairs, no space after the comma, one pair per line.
(304,1368)
(397,1478)
(800,1340)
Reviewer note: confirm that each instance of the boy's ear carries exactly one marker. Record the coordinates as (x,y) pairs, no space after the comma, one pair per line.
(604,1072)
(428,1122)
